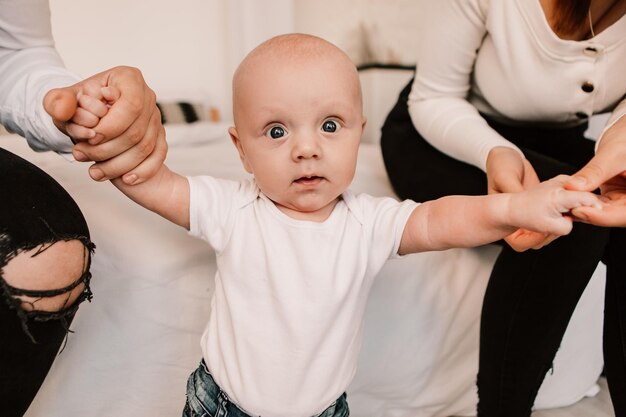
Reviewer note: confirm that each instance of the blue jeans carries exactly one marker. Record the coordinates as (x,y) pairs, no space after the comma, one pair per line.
(206,399)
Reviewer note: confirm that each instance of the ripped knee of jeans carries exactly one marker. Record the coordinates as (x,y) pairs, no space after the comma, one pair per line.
(47,281)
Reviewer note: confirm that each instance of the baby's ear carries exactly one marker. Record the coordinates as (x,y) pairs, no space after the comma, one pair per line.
(234,136)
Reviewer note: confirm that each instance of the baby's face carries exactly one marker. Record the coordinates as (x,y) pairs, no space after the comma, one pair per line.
(298,130)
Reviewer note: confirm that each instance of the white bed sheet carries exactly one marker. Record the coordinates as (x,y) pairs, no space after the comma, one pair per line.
(137,342)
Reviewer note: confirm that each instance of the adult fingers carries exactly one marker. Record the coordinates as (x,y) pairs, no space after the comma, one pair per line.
(522,240)
(611,214)
(120,162)
(113,163)
(593,174)
(150,165)
(608,162)
(549,239)
(131,112)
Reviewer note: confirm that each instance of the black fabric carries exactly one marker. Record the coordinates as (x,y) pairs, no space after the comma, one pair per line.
(35,211)
(531,295)
(35,207)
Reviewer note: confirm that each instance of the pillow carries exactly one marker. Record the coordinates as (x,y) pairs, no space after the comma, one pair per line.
(191,123)
(196,133)
(186,112)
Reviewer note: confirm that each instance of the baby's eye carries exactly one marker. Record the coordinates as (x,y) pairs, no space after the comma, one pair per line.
(330,126)
(276,132)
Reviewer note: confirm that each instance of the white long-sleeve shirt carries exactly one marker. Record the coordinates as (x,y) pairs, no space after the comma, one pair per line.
(29,67)
(501,58)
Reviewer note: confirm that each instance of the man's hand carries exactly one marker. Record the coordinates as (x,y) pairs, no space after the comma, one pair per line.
(129,139)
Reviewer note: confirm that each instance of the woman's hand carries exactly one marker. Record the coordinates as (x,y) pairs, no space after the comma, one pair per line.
(607,171)
(509,172)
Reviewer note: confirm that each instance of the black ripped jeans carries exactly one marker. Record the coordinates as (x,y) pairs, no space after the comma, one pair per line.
(531,295)
(35,214)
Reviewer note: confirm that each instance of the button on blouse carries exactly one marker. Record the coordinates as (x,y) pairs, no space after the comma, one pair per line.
(587,87)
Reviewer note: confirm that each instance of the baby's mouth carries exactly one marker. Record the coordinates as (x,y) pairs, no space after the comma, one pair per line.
(309,180)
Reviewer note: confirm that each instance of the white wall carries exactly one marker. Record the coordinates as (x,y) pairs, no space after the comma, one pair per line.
(186,49)
(367,30)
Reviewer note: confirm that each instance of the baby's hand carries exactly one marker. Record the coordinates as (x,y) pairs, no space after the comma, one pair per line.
(546,207)
(91,106)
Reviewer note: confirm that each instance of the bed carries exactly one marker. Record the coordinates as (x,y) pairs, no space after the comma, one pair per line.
(133,347)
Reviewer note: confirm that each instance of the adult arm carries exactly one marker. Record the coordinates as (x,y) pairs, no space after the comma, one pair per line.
(29,67)
(451,33)
(128,141)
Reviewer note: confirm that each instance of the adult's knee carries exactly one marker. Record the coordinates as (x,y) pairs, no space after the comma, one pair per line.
(48,278)
(45,248)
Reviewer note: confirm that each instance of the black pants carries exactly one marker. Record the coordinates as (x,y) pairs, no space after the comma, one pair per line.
(35,213)
(531,295)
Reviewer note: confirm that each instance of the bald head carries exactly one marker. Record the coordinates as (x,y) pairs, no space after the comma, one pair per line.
(295,53)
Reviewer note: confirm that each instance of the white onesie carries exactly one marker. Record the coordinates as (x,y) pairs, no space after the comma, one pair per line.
(286,317)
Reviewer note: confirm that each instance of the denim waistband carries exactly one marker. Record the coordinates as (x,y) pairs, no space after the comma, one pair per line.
(203,391)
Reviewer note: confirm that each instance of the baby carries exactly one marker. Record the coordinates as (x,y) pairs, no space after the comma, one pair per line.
(297,252)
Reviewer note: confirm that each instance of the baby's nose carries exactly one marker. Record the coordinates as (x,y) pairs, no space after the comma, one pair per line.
(307,146)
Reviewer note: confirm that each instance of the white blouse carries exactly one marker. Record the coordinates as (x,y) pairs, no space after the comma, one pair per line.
(501,58)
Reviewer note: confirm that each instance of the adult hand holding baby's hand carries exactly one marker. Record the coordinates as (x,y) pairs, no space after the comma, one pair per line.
(546,207)
(607,171)
(613,212)
(509,172)
(113,119)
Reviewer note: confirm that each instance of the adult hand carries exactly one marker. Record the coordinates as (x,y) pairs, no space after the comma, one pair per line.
(129,139)
(510,172)
(607,171)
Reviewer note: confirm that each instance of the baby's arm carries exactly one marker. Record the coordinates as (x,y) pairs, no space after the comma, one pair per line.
(166,193)
(467,221)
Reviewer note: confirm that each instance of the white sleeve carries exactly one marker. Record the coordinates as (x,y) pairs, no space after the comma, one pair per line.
(617,114)
(452,33)
(29,67)
(386,219)
(213,204)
